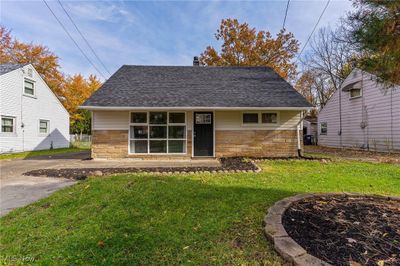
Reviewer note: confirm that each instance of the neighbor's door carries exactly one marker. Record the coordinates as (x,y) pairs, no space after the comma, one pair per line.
(203,134)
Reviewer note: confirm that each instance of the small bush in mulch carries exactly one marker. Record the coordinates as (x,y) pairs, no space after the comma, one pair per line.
(347,230)
(227,164)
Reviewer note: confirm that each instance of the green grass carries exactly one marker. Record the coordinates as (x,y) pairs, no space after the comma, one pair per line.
(146,219)
(27,154)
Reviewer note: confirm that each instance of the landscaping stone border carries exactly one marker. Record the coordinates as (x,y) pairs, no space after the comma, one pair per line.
(228,165)
(287,248)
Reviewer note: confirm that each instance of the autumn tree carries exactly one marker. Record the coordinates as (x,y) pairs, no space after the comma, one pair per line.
(314,88)
(245,46)
(71,90)
(375,31)
(44,61)
(77,90)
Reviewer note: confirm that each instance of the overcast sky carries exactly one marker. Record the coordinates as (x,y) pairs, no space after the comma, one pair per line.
(153,32)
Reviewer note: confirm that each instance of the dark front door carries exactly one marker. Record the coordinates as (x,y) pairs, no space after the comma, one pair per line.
(203,133)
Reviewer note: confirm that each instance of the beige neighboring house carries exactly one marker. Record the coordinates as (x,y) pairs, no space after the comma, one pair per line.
(362,114)
(176,112)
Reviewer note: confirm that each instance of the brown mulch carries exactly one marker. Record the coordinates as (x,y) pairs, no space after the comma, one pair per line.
(361,155)
(347,229)
(227,164)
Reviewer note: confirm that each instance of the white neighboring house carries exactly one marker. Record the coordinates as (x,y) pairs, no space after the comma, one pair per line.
(362,114)
(32,117)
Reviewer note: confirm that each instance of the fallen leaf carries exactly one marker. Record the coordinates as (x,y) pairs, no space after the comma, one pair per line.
(380,262)
(100,244)
(88,186)
(186,247)
(354,263)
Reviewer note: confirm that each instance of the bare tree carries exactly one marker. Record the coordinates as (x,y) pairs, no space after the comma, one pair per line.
(327,64)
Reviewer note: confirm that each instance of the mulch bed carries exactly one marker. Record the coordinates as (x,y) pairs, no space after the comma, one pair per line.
(347,229)
(236,164)
(361,155)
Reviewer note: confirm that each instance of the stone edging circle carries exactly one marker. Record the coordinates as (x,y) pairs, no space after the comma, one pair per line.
(286,247)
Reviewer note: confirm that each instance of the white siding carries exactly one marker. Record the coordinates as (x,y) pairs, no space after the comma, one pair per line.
(29,110)
(378,108)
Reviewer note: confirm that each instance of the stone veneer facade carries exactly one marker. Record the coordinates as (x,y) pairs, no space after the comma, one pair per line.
(111,144)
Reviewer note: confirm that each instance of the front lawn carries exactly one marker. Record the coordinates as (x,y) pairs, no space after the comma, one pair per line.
(210,219)
(27,154)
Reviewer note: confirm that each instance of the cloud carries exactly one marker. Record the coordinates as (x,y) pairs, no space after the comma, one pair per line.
(152,32)
(102,11)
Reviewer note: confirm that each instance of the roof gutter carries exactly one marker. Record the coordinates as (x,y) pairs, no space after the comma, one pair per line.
(125,108)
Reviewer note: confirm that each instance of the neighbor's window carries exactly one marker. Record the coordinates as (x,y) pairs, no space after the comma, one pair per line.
(250,118)
(323,128)
(29,87)
(269,118)
(8,124)
(44,126)
(162,132)
(354,93)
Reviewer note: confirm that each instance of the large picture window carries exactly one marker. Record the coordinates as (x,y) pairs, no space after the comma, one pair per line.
(157,132)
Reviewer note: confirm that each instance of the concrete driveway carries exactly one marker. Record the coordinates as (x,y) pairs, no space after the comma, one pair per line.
(17,190)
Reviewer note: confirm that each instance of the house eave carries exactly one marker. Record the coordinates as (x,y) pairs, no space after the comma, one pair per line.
(127,108)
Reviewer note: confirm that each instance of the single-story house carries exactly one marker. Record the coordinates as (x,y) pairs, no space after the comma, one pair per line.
(32,117)
(362,114)
(174,112)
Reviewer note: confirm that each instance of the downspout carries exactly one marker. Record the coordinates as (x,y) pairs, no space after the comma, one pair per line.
(22,123)
(391,117)
(340,117)
(299,149)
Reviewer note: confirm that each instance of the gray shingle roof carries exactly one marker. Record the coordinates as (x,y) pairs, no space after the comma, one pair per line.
(187,86)
(5,68)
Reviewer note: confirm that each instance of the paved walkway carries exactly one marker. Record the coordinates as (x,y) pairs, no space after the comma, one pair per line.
(17,190)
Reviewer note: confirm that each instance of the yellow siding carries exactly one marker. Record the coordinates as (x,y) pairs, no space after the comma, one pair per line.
(232,120)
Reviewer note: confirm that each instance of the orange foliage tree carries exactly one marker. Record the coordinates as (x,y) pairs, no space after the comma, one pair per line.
(71,90)
(244,46)
(44,61)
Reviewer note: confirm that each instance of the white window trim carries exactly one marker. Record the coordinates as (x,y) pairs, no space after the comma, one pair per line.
(148,132)
(14,133)
(260,123)
(355,97)
(48,127)
(320,128)
(34,88)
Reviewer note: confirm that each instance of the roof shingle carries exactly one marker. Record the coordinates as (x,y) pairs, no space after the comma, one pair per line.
(5,68)
(187,86)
